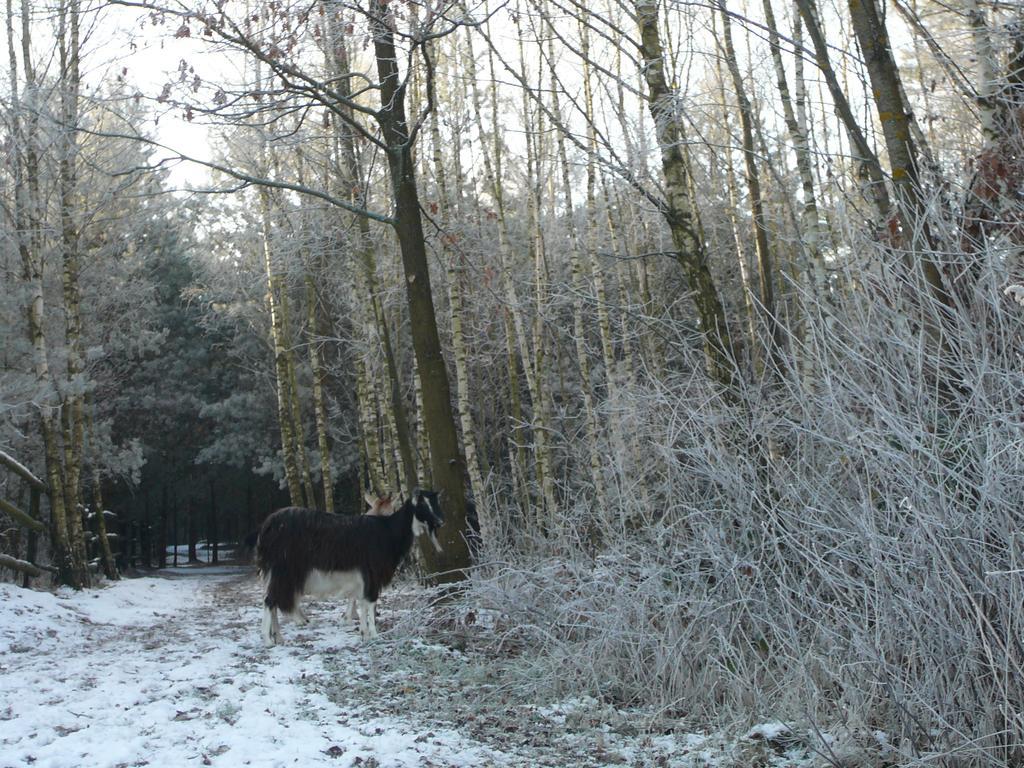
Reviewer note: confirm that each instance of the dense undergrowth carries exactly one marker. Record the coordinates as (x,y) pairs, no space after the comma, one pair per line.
(840,550)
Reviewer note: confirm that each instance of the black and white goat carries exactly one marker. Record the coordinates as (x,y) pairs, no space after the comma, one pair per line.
(306,552)
(378,506)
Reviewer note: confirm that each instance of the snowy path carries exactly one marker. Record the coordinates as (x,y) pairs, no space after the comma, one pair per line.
(171,671)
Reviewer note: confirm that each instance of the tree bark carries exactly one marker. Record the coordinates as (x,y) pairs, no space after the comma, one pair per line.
(746,284)
(597,464)
(212,532)
(192,530)
(492,173)
(294,402)
(22,566)
(604,323)
(535,368)
(20,517)
(161,539)
(811,239)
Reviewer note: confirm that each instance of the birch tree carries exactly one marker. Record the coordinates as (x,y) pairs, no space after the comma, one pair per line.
(679,208)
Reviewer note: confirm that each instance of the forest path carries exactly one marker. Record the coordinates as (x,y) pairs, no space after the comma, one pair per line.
(171,671)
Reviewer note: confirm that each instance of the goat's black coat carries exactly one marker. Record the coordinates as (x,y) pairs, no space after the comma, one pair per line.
(293,541)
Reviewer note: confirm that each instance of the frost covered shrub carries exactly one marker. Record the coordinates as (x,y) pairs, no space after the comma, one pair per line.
(841,548)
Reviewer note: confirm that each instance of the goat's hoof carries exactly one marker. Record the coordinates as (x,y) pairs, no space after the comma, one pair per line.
(272,639)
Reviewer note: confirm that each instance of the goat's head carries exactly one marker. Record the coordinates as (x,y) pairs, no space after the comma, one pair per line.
(427,516)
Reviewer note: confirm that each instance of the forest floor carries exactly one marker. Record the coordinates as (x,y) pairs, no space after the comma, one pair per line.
(169,670)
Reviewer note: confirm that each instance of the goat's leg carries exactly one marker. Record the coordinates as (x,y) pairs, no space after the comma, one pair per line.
(367,627)
(367,620)
(299,616)
(271,627)
(276,628)
(372,618)
(361,614)
(352,611)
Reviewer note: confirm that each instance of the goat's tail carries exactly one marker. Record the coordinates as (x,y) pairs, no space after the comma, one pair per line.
(281,570)
(281,590)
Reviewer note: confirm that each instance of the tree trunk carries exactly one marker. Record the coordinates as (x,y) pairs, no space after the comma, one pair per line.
(871,169)
(338,61)
(628,348)
(492,173)
(679,210)
(422,443)
(106,556)
(597,464)
(447,464)
(145,535)
(896,119)
(192,529)
(35,497)
(747,286)
(294,404)
(72,411)
(161,539)
(765,259)
(212,532)
(454,261)
(277,338)
(535,368)
(174,530)
(604,324)
(30,570)
(368,427)
(319,405)
(811,228)
(24,129)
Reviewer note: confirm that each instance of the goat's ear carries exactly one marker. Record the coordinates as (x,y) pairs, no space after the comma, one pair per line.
(368,498)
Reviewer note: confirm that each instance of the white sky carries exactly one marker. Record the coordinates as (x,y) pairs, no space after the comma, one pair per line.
(123,42)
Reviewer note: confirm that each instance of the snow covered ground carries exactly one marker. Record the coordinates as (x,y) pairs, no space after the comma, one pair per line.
(170,671)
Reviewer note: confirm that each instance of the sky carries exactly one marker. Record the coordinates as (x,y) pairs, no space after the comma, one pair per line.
(129,45)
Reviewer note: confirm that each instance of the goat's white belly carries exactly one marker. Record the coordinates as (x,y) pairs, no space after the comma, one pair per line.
(330,583)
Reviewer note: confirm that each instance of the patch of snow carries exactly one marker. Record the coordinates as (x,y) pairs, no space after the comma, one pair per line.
(768,731)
